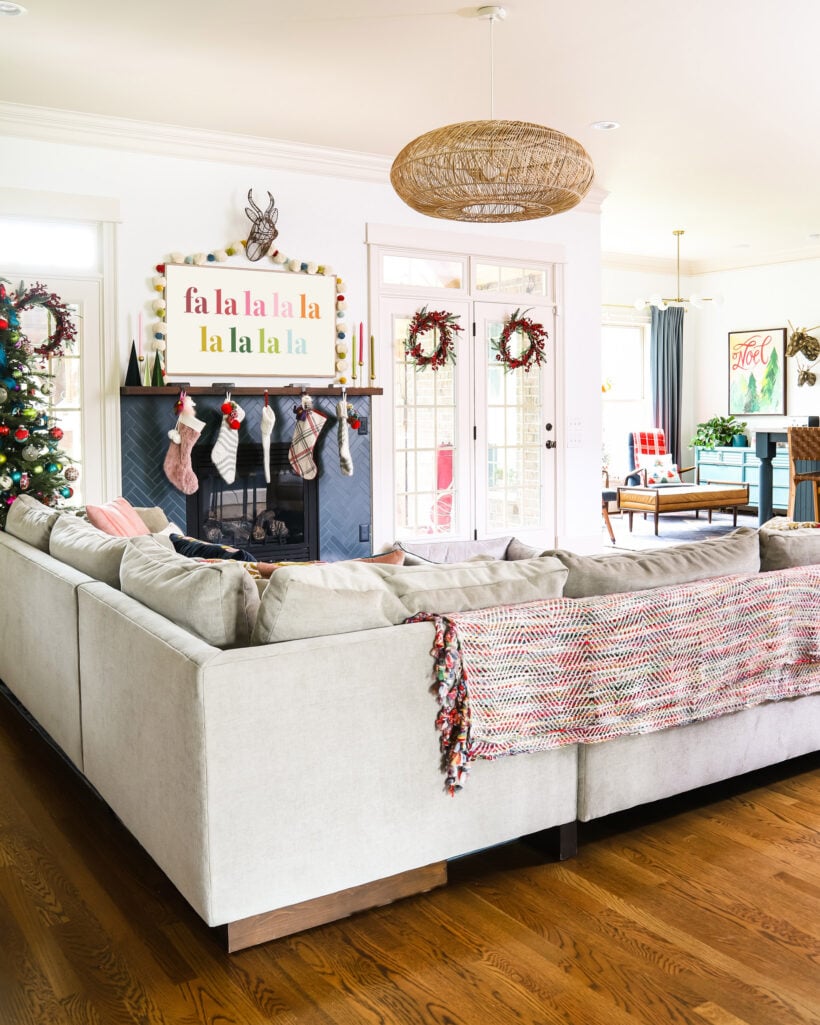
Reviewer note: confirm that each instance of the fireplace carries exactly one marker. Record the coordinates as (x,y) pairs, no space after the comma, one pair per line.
(275,522)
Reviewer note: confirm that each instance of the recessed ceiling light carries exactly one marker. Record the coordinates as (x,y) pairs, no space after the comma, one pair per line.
(605,126)
(6,7)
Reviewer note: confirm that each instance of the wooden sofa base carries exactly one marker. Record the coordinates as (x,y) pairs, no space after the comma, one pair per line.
(271,925)
(559,841)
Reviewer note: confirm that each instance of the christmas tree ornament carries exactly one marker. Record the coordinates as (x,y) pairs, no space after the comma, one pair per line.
(31,453)
(266,428)
(21,434)
(3,396)
(3,458)
(56,433)
(16,476)
(5,482)
(37,469)
(51,467)
(223,454)
(309,424)
(5,430)
(345,461)
(66,491)
(71,473)
(24,481)
(184,436)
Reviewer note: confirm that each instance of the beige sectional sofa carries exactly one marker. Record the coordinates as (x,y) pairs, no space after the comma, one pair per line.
(277,755)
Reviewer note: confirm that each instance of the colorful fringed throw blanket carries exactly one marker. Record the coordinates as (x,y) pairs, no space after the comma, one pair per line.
(531,677)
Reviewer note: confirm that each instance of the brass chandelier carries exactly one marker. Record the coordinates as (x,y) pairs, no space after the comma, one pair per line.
(492,171)
(658,301)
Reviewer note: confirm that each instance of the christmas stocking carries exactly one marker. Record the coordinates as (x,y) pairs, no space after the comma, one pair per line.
(268,420)
(223,454)
(309,424)
(184,436)
(345,462)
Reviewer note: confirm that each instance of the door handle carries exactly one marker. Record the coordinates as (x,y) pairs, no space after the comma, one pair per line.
(551,444)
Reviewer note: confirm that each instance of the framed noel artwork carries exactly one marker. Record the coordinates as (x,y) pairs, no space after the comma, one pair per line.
(757,372)
(249,322)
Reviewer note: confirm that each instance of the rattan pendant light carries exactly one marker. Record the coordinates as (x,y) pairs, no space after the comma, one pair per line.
(492,170)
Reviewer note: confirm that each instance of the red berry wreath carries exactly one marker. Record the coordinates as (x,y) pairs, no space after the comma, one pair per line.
(37,295)
(422,322)
(533,355)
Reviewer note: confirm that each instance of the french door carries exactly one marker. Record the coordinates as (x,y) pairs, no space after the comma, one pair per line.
(472,443)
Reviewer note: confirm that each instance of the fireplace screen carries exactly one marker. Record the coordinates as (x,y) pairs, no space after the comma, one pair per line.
(273,522)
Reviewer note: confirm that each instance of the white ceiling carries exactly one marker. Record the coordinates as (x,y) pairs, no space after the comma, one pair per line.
(719,100)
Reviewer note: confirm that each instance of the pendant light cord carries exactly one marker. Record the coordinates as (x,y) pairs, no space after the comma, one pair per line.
(492,70)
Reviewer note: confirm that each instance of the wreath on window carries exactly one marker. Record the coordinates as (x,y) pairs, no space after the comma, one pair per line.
(535,334)
(423,321)
(25,299)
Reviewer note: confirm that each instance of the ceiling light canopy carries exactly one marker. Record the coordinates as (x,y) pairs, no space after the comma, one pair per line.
(492,170)
(658,301)
(11,9)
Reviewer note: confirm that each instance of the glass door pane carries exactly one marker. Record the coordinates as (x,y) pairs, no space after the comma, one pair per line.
(428,481)
(515,493)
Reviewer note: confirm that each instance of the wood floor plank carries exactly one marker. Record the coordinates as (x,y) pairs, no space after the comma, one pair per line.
(702,910)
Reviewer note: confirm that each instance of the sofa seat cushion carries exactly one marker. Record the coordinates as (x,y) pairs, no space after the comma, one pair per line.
(78,543)
(589,575)
(310,601)
(217,601)
(30,521)
(117,517)
(785,543)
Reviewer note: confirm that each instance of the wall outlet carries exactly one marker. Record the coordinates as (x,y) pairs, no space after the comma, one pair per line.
(364,531)
(362,425)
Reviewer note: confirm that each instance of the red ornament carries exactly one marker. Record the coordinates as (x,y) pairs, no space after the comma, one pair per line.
(3,323)
(21,434)
(227,407)
(234,424)
(355,424)
(5,430)
(56,433)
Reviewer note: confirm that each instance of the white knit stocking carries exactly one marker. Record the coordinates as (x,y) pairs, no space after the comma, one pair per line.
(268,420)
(345,460)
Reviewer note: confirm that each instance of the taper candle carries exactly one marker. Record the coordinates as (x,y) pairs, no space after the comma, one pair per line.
(361,344)
(372,358)
(139,335)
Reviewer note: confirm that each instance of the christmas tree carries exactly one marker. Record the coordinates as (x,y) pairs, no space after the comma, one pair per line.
(31,460)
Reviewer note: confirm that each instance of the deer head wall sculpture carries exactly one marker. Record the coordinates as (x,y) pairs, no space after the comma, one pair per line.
(263,227)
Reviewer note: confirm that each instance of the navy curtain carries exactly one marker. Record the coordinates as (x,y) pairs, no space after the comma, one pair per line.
(665,369)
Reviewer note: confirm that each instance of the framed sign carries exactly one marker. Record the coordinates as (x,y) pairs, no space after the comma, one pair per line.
(757,371)
(234,321)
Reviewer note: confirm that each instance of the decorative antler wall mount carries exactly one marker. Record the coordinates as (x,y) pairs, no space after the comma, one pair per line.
(801,343)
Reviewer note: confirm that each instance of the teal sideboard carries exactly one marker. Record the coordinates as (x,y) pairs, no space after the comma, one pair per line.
(742,466)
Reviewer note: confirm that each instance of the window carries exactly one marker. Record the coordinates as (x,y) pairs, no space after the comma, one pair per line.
(625,388)
(68,257)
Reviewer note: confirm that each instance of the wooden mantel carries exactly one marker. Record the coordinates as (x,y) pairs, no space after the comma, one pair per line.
(220,389)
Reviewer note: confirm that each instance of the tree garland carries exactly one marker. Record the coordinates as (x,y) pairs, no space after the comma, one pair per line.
(533,355)
(24,298)
(422,322)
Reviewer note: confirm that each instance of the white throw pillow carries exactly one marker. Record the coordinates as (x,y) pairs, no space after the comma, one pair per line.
(661,470)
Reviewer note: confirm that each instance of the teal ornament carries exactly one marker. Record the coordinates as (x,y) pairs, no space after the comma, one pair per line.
(51,467)
(66,491)
(15,476)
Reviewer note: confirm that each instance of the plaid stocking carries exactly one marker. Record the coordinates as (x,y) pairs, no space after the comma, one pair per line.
(309,424)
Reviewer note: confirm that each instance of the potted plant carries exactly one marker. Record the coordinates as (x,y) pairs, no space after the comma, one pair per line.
(718,432)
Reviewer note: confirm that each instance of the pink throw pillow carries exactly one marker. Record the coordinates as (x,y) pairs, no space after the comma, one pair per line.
(119,518)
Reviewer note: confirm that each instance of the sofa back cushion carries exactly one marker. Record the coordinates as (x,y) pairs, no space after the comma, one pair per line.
(31,521)
(589,575)
(421,552)
(217,601)
(784,544)
(117,517)
(310,601)
(80,544)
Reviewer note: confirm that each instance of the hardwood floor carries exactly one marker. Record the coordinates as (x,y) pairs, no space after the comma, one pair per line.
(702,910)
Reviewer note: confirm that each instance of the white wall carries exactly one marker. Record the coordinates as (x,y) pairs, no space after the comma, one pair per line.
(172,203)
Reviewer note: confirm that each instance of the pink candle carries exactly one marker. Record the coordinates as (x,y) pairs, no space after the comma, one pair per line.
(361,342)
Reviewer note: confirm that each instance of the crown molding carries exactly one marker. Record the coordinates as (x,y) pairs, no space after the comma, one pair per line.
(692,268)
(644,264)
(48,124)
